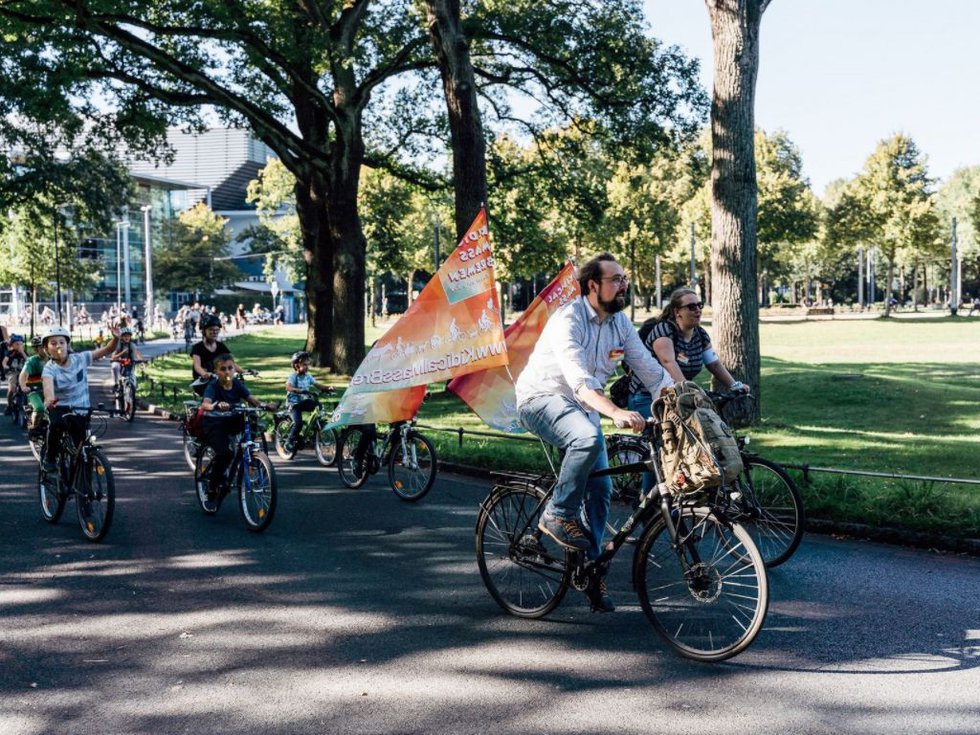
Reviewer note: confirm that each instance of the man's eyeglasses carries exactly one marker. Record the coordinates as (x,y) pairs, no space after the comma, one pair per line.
(697,306)
(618,280)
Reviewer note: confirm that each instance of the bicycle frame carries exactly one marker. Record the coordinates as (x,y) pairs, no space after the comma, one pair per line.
(658,501)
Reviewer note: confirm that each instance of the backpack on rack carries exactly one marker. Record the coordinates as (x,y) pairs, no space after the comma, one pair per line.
(699,449)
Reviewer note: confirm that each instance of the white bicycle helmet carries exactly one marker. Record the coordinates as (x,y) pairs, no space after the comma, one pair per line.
(125,330)
(55,332)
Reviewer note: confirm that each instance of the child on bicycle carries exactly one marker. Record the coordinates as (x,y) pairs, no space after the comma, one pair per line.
(30,382)
(124,356)
(298,396)
(223,394)
(14,362)
(65,382)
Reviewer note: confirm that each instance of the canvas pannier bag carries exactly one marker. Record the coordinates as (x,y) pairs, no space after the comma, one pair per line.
(699,448)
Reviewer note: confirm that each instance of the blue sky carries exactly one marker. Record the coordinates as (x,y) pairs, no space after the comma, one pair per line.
(840,75)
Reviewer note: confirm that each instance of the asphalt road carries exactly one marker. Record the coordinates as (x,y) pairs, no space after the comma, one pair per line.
(358,613)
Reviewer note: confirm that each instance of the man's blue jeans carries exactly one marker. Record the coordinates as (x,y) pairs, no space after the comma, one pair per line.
(640,402)
(565,424)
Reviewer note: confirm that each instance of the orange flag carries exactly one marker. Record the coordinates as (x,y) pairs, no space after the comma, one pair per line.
(490,393)
(452,329)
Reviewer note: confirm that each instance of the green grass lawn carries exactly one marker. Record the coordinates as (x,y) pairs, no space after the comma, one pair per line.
(899,396)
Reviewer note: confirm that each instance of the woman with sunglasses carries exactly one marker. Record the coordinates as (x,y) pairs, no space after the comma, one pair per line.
(681,345)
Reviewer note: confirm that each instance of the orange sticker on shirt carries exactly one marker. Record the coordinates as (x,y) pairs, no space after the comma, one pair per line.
(616,355)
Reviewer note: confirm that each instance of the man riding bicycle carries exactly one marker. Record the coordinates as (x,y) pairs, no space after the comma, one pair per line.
(560,396)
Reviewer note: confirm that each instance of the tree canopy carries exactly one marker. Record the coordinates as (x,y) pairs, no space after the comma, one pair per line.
(333,86)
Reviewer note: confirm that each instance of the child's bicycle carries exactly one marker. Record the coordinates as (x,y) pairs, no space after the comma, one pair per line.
(84,474)
(190,439)
(768,503)
(124,391)
(250,471)
(700,579)
(324,441)
(410,457)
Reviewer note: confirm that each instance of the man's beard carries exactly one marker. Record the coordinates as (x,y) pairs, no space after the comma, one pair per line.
(617,304)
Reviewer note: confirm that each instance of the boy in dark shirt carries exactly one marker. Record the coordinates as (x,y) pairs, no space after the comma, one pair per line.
(222,395)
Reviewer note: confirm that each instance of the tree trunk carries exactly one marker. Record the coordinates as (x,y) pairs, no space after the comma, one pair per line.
(466,129)
(734,192)
(888,286)
(311,210)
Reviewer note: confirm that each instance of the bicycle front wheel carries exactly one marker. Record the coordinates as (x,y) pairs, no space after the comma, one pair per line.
(353,469)
(129,402)
(280,433)
(770,509)
(526,571)
(258,492)
(412,467)
(708,597)
(325,443)
(95,496)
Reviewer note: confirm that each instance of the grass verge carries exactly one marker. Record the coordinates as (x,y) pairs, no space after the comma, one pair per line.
(900,413)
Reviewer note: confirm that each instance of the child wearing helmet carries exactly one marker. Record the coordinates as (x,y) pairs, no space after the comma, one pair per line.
(205,351)
(298,396)
(124,355)
(30,381)
(65,383)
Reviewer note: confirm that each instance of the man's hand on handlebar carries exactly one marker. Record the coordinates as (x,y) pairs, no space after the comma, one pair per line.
(623,418)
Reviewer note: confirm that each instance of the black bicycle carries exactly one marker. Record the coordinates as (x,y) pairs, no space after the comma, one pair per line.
(314,432)
(410,457)
(250,471)
(768,503)
(699,577)
(84,474)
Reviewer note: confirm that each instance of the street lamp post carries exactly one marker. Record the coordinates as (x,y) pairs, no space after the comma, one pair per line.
(125,244)
(57,262)
(148,308)
(953,295)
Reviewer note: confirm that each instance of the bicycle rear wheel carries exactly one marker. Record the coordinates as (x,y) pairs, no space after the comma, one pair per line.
(708,598)
(280,433)
(353,469)
(412,467)
(95,498)
(770,509)
(526,571)
(325,443)
(624,450)
(258,492)
(191,446)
